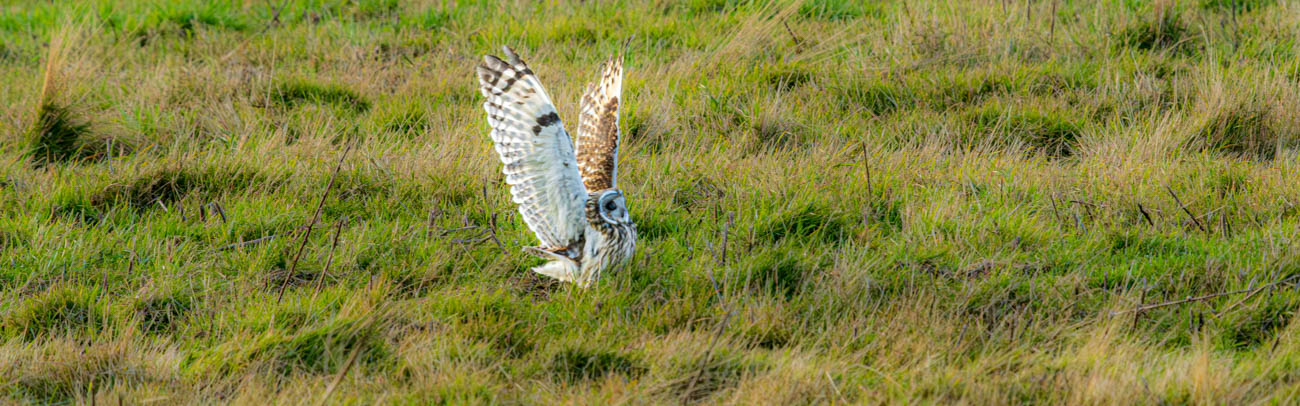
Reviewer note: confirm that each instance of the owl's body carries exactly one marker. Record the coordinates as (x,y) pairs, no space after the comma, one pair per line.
(567,193)
(606,243)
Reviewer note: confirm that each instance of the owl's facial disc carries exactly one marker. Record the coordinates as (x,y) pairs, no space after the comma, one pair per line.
(613,208)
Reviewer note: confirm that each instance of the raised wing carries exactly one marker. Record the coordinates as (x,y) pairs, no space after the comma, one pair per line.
(540,166)
(598,132)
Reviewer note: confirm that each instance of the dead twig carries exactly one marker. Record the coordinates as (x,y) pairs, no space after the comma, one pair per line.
(835,388)
(1029,13)
(1055,213)
(433,217)
(216,207)
(329,260)
(866,166)
(259,240)
(1252,294)
(798,42)
(1186,210)
(731,217)
(275,14)
(492,221)
(347,366)
(492,233)
(320,206)
(249,242)
(1078,223)
(1224,226)
(445,231)
(1087,207)
(1141,299)
(1252,291)
(1051,30)
(471,241)
(1146,215)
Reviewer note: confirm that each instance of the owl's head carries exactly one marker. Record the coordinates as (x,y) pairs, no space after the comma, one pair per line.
(612,207)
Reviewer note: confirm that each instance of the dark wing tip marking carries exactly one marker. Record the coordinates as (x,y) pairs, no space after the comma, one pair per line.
(487,76)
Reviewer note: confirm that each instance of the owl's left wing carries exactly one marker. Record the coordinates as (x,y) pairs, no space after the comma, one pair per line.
(598,133)
(538,157)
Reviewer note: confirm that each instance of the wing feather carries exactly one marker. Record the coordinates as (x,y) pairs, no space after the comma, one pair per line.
(537,154)
(598,133)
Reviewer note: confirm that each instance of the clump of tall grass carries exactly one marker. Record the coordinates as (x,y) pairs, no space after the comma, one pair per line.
(1235,6)
(1161,29)
(57,131)
(294,93)
(61,311)
(62,129)
(1255,118)
(1052,133)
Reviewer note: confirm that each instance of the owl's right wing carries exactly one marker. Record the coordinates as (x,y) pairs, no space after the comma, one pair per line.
(598,132)
(540,165)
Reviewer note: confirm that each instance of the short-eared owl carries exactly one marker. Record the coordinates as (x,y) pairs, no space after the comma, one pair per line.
(566,188)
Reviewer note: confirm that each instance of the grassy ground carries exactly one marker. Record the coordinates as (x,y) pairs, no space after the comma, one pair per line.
(920,201)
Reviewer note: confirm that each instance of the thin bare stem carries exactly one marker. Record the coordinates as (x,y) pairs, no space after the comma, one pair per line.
(1252,292)
(315,218)
(347,366)
(1186,210)
(329,260)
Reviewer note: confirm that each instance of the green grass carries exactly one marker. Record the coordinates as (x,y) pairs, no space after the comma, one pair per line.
(56,136)
(838,202)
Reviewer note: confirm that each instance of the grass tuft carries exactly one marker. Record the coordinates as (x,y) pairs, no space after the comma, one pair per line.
(60,131)
(775,133)
(704,377)
(60,311)
(875,97)
(1261,323)
(1243,129)
(56,136)
(292,94)
(158,189)
(697,193)
(324,349)
(1050,133)
(1162,29)
(809,222)
(163,313)
(1239,119)
(787,76)
(837,10)
(780,271)
(187,22)
(578,365)
(1235,6)
(74,373)
(407,121)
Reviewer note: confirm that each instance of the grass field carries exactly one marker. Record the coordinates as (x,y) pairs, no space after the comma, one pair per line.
(896,202)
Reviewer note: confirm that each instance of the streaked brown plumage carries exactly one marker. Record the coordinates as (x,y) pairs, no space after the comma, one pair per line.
(598,133)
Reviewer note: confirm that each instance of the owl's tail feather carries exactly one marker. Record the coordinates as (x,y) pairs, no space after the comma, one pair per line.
(562,269)
(559,267)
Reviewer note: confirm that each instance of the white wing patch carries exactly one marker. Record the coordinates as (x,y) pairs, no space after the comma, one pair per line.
(538,157)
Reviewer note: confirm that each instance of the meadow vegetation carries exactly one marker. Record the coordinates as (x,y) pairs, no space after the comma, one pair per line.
(838,202)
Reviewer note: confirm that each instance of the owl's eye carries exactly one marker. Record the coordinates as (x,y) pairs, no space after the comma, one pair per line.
(609,206)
